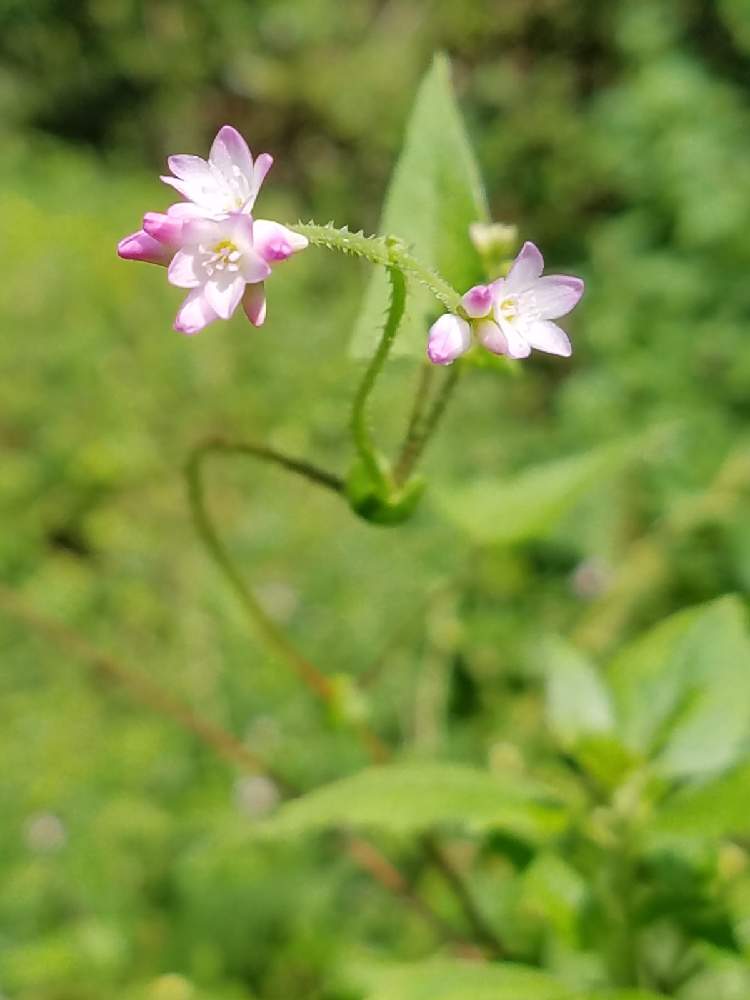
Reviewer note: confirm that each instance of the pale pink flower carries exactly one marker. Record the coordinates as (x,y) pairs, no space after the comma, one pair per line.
(228,181)
(212,245)
(511,315)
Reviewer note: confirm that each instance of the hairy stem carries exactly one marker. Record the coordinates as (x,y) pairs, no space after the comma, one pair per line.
(385,251)
(315,681)
(360,430)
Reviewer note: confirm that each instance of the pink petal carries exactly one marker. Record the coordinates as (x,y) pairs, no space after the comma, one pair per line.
(188,167)
(556,295)
(182,272)
(477,301)
(254,303)
(526,268)
(194,313)
(549,337)
(448,339)
(275,242)
(141,246)
(492,337)
(518,346)
(186,210)
(230,153)
(253,268)
(262,165)
(223,293)
(164,228)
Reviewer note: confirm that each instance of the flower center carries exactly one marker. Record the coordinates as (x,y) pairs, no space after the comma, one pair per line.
(223,256)
(509,308)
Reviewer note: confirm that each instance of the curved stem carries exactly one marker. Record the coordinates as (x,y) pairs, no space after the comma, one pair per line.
(360,431)
(308,673)
(416,444)
(382,250)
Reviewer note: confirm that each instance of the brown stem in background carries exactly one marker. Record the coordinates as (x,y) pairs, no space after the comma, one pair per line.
(147,692)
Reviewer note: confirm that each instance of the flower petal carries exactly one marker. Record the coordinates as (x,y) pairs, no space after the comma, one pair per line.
(141,246)
(448,339)
(230,154)
(275,242)
(477,301)
(262,165)
(549,337)
(183,271)
(253,268)
(526,268)
(194,313)
(556,295)
(166,229)
(223,293)
(492,337)
(199,182)
(186,210)
(518,346)
(254,303)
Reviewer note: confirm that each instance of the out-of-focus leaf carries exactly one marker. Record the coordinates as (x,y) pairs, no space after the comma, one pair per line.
(434,195)
(554,893)
(455,980)
(625,995)
(495,510)
(408,798)
(717,809)
(577,700)
(683,690)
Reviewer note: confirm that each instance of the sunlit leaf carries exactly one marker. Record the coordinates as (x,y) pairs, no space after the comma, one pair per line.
(577,699)
(716,809)
(408,798)
(434,195)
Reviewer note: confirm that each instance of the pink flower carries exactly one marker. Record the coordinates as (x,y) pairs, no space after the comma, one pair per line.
(513,314)
(211,243)
(228,181)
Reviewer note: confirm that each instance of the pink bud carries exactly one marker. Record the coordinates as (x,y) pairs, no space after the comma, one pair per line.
(141,246)
(448,339)
(477,301)
(165,229)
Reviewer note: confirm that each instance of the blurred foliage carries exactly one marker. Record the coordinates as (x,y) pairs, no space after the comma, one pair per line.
(579,639)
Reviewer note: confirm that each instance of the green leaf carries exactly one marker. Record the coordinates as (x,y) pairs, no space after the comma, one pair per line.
(717,809)
(495,510)
(683,690)
(625,995)
(554,894)
(443,979)
(434,195)
(577,700)
(413,797)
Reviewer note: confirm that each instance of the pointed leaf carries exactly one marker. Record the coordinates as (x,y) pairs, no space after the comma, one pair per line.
(434,195)
(577,699)
(412,797)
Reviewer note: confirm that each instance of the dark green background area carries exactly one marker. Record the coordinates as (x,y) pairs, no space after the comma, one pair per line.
(617,137)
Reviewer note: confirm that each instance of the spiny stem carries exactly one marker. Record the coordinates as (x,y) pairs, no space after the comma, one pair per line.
(308,673)
(385,251)
(360,430)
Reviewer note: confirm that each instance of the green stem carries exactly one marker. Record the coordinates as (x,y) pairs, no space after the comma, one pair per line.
(308,673)
(414,447)
(415,422)
(387,251)
(360,431)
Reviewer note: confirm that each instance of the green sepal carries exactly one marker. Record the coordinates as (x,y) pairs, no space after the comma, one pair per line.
(377,500)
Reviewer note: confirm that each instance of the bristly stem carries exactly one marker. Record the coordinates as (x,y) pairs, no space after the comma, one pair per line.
(360,431)
(384,251)
(308,673)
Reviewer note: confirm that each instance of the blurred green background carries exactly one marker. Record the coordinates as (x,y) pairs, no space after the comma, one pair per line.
(616,136)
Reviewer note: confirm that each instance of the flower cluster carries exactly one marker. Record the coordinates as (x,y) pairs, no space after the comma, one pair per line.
(210,242)
(510,316)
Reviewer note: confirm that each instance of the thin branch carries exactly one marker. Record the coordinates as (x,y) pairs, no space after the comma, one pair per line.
(147,692)
(414,427)
(419,442)
(308,673)
(480,926)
